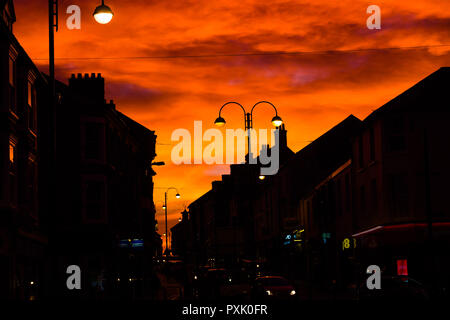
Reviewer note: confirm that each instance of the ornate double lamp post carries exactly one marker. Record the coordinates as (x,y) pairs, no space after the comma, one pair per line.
(248,119)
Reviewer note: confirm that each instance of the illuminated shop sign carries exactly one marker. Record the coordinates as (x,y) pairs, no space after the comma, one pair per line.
(294,237)
(348,244)
(402,267)
(124,243)
(137,243)
(287,239)
(326,236)
(128,243)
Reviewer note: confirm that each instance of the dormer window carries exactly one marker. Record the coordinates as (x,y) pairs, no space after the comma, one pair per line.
(31,102)
(8,15)
(12,81)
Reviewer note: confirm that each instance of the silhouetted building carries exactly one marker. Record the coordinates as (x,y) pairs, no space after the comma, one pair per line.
(295,209)
(181,236)
(157,251)
(105,216)
(371,192)
(401,177)
(222,220)
(22,233)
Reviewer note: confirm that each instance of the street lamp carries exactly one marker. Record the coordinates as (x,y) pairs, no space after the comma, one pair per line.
(103,14)
(52,27)
(248,119)
(165,209)
(276,121)
(220,122)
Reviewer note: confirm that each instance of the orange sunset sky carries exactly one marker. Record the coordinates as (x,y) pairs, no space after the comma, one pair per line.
(176,76)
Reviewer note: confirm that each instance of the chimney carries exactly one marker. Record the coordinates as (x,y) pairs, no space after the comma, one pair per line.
(282,137)
(185,215)
(90,86)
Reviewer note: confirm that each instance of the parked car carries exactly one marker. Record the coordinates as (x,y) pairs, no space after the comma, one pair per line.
(394,288)
(210,282)
(237,285)
(273,287)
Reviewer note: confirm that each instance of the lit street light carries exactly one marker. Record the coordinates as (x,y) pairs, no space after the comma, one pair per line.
(248,118)
(52,27)
(276,121)
(103,14)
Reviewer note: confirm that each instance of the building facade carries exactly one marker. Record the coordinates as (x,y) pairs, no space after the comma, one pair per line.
(366,192)
(23,239)
(76,193)
(105,216)
(402,217)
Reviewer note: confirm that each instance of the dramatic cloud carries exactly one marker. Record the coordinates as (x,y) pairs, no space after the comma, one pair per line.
(185,63)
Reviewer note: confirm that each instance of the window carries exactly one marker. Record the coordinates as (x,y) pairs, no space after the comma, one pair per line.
(12,84)
(360,151)
(347,192)
(362,197)
(396,140)
(7,16)
(31,186)
(11,71)
(94,135)
(373,191)
(398,191)
(94,199)
(372,144)
(339,197)
(234,221)
(396,143)
(309,214)
(31,106)
(12,152)
(92,150)
(12,171)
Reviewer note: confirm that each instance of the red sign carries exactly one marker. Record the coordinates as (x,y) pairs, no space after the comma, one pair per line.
(402,267)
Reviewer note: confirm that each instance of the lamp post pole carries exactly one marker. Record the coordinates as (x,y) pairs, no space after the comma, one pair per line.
(52,26)
(52,119)
(165,210)
(165,206)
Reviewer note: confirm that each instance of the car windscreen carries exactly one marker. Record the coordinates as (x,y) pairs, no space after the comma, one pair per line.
(275,282)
